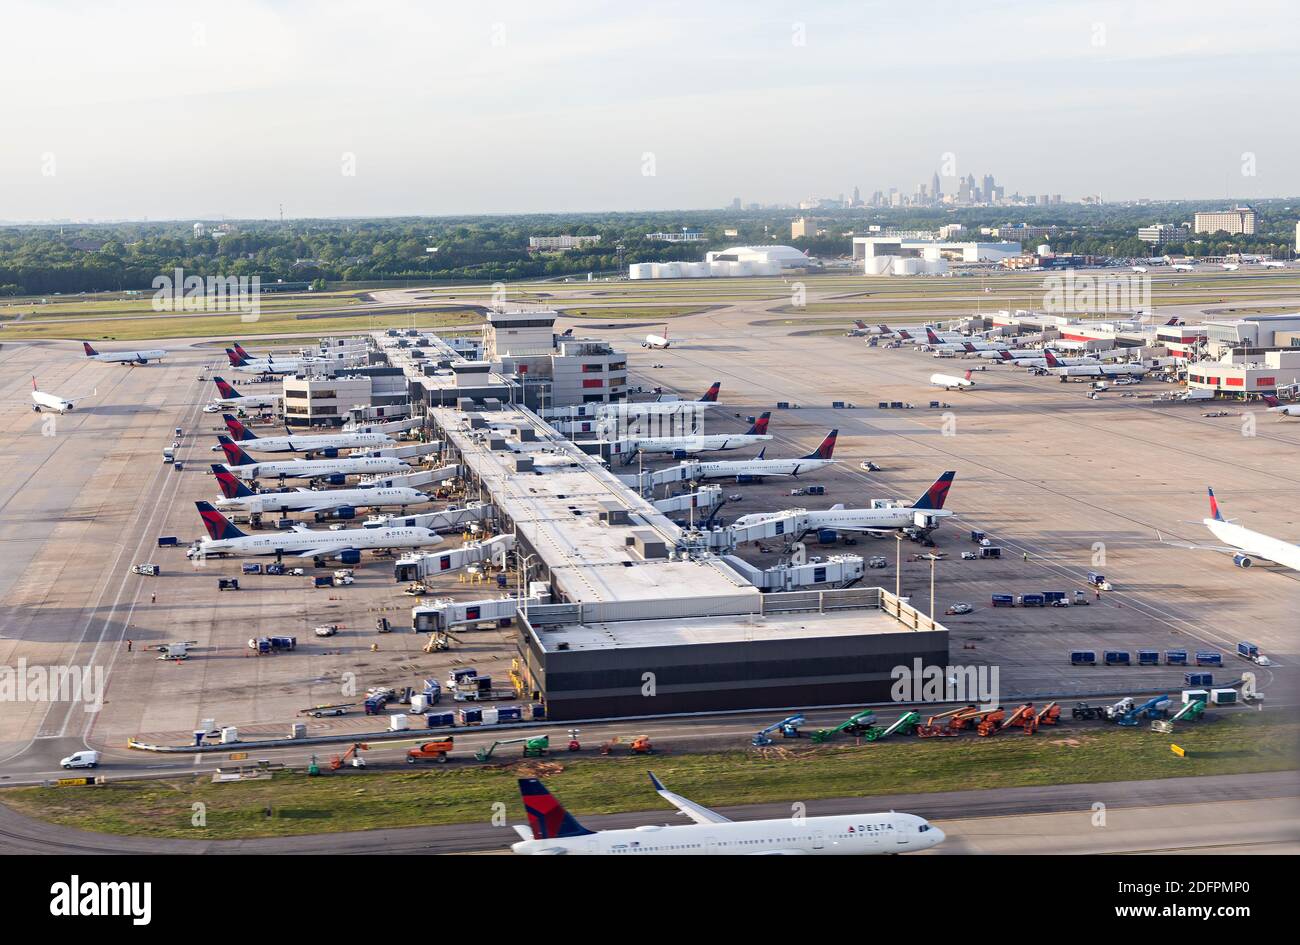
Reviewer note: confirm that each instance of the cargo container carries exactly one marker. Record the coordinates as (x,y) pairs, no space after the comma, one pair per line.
(250,567)
(1176,657)
(1053,597)
(1148,657)
(977,537)
(471,716)
(510,713)
(322,582)
(538,711)
(1083,658)
(1248,651)
(167,542)
(1032,600)
(490,716)
(1096,578)
(1209,658)
(1003,600)
(440,720)
(1196,695)
(816,490)
(1198,679)
(990,552)
(1117,658)
(1223,696)
(284,643)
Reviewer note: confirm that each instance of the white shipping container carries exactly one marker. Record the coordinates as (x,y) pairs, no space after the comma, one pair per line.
(490,716)
(229,735)
(399,722)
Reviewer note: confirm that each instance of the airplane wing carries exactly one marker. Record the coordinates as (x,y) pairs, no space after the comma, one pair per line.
(322,552)
(697,812)
(1192,546)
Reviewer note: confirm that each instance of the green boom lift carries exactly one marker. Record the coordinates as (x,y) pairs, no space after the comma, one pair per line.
(533,747)
(856,724)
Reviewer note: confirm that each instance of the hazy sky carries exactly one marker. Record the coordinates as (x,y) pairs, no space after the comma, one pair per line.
(179,110)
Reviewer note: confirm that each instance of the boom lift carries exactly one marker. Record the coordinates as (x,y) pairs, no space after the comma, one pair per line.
(533,747)
(855,724)
(1022,718)
(991,721)
(1190,712)
(640,745)
(437,750)
(1153,707)
(903,725)
(788,727)
(353,754)
(931,728)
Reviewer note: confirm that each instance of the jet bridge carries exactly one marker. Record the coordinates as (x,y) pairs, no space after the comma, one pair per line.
(417,567)
(450,519)
(443,614)
(839,570)
(704,500)
(401,450)
(424,477)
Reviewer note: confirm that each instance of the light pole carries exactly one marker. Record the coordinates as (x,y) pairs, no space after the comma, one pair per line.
(522,565)
(933,562)
(898,566)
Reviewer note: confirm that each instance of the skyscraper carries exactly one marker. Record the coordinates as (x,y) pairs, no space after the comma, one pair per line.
(935,189)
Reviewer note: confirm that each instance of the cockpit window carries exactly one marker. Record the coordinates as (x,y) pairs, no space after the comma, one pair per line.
(923,828)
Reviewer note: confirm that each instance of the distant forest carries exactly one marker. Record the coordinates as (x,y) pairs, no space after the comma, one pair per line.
(48,259)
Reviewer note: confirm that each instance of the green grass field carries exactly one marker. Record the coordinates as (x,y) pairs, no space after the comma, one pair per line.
(1241,742)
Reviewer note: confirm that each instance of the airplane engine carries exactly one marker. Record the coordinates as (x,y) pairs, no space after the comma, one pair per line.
(681,454)
(1242,561)
(351,556)
(337,479)
(330,452)
(345,511)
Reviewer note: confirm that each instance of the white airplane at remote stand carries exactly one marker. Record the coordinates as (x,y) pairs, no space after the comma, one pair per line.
(41,400)
(657,341)
(948,382)
(124,357)
(553,831)
(1242,543)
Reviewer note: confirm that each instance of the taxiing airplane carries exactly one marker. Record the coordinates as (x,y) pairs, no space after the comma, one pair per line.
(1272,264)
(301,542)
(326,444)
(657,341)
(233,398)
(920,514)
(1183,267)
(1139,269)
(683,446)
(948,382)
(245,467)
(554,831)
(1065,372)
(124,357)
(1242,543)
(1276,406)
(342,503)
(862,329)
(759,466)
(45,401)
(1230,267)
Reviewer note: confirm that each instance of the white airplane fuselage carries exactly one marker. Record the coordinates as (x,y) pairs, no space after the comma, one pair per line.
(725,469)
(1100,370)
(310,443)
(853,520)
(948,382)
(714,442)
(848,835)
(129,357)
(1255,543)
(656,341)
(250,400)
(1286,410)
(306,543)
(322,500)
(316,468)
(43,401)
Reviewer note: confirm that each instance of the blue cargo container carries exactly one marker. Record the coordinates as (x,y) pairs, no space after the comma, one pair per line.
(460,675)
(375,705)
(1176,657)
(1033,600)
(1248,651)
(284,643)
(827,536)
(1198,679)
(471,716)
(1053,596)
(1148,657)
(440,720)
(250,567)
(1003,600)
(1209,658)
(323,582)
(167,541)
(539,711)
(1083,658)
(510,713)
(1117,658)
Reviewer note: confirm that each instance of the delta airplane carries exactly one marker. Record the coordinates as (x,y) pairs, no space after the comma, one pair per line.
(301,542)
(553,831)
(1140,269)
(683,446)
(240,363)
(1006,354)
(948,382)
(1040,361)
(1230,267)
(758,467)
(1276,406)
(1183,267)
(42,400)
(657,341)
(343,503)
(1272,264)
(1065,372)
(245,467)
(861,329)
(124,357)
(327,444)
(837,517)
(233,398)
(709,399)
(1242,543)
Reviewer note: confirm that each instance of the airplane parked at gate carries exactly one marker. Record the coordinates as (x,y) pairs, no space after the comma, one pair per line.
(708,399)
(245,467)
(924,512)
(124,357)
(1242,543)
(1065,372)
(233,398)
(325,443)
(301,542)
(759,466)
(682,446)
(1039,360)
(553,831)
(342,503)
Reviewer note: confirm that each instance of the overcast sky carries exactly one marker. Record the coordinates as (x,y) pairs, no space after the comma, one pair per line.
(178,110)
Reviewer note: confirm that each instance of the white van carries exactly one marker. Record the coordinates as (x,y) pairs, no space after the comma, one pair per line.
(81,759)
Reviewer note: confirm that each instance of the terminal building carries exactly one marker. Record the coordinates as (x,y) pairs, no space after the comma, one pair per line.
(643,617)
(888,255)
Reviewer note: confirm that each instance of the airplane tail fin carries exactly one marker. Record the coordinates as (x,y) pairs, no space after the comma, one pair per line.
(931,337)
(1214,507)
(34,387)
(1051,358)
(218,526)
(224,388)
(967,376)
(232,487)
(238,431)
(826,449)
(546,815)
(884,329)
(239,350)
(902,333)
(859,324)
(235,456)
(235,360)
(710,395)
(1267,398)
(1005,355)
(760,425)
(937,494)
(968,345)
(90,352)
(761,453)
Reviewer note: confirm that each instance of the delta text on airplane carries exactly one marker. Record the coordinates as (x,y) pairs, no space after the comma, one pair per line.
(302,542)
(237,497)
(553,831)
(304,443)
(245,467)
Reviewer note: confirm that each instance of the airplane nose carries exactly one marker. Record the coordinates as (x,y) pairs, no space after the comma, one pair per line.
(938,836)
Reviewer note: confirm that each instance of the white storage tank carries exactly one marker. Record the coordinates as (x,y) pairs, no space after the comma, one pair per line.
(878,265)
(641,271)
(669,270)
(906,267)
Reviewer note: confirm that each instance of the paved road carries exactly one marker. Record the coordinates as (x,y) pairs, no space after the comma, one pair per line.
(21,834)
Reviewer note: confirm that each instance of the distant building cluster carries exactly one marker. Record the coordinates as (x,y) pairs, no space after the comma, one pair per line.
(560,243)
(729,263)
(1238,220)
(1161,233)
(685,235)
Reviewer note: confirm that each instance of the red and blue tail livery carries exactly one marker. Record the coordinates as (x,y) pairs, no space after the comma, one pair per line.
(546,815)
(238,431)
(218,526)
(235,456)
(232,487)
(225,389)
(937,494)
(711,395)
(1214,507)
(90,352)
(826,448)
(235,360)
(239,350)
(760,425)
